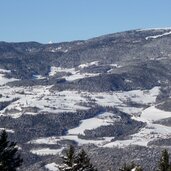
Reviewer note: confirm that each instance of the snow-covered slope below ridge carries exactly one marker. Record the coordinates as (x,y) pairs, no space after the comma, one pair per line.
(111,92)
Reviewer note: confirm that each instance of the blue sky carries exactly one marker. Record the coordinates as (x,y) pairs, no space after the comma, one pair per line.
(66,20)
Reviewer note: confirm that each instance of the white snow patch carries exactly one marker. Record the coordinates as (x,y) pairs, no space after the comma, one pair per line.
(48,140)
(110,70)
(38,77)
(148,133)
(65,51)
(158,59)
(128,81)
(51,49)
(52,167)
(3,71)
(59,48)
(134,169)
(3,79)
(42,98)
(130,110)
(153,114)
(116,65)
(93,123)
(141,138)
(46,151)
(68,101)
(157,36)
(7,130)
(144,136)
(53,140)
(53,71)
(50,42)
(79,76)
(98,142)
(75,74)
(120,98)
(89,64)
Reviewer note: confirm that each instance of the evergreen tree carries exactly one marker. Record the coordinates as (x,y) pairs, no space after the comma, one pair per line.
(69,160)
(164,164)
(79,162)
(9,159)
(83,162)
(70,156)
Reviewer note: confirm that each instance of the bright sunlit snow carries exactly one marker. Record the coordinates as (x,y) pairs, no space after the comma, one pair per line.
(46,151)
(93,123)
(52,167)
(154,114)
(157,36)
(89,64)
(3,79)
(73,73)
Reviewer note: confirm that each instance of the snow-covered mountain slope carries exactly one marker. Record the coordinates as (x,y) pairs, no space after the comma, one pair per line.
(105,94)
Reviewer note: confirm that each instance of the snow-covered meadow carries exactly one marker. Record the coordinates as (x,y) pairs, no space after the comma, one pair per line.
(119,99)
(52,167)
(73,73)
(46,101)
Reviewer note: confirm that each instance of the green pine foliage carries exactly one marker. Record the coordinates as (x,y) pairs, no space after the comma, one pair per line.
(164,164)
(10,160)
(69,159)
(76,162)
(83,162)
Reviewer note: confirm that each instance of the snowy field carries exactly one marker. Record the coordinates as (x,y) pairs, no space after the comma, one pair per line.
(3,79)
(52,167)
(46,101)
(74,74)
(41,98)
(150,132)
(93,123)
(119,99)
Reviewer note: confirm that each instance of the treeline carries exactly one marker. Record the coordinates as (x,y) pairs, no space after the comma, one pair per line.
(10,159)
(81,162)
(163,164)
